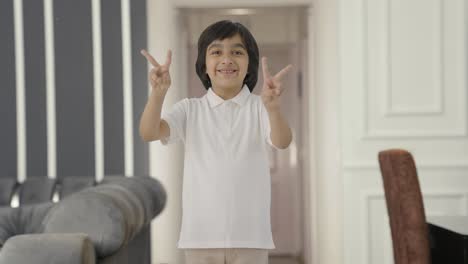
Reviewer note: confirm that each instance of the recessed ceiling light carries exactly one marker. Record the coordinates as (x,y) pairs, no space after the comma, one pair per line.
(240,11)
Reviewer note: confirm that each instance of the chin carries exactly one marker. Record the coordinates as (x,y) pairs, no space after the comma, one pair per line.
(230,86)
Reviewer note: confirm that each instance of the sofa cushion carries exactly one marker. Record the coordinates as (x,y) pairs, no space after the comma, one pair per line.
(36,190)
(8,218)
(22,220)
(7,187)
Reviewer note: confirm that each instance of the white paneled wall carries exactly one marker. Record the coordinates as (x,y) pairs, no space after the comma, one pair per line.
(403,85)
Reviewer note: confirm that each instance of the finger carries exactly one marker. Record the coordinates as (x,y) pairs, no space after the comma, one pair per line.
(285,70)
(149,58)
(168,59)
(159,70)
(269,93)
(163,70)
(280,88)
(270,84)
(276,84)
(274,93)
(152,77)
(153,73)
(266,72)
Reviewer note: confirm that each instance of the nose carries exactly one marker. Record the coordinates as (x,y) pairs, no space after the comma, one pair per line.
(227,59)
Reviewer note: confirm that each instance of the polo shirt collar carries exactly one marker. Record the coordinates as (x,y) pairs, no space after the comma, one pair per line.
(239,99)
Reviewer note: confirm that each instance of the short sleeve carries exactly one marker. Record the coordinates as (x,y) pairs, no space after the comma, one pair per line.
(176,118)
(265,123)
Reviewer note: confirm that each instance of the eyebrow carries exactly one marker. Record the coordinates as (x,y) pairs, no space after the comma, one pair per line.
(219,45)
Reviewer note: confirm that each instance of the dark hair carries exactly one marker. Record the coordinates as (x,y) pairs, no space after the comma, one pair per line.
(219,31)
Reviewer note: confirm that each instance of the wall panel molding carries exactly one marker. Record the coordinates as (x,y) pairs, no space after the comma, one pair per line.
(63,113)
(50,88)
(35,88)
(74,88)
(20,90)
(112,87)
(8,133)
(436,108)
(377,59)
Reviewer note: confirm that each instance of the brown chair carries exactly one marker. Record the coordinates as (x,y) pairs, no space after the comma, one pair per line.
(410,235)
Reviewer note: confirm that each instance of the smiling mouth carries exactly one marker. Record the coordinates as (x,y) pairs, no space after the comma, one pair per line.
(227,71)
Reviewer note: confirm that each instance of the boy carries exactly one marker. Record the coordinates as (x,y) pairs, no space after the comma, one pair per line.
(226,183)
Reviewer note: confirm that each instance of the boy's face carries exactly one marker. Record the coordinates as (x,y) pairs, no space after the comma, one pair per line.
(227,62)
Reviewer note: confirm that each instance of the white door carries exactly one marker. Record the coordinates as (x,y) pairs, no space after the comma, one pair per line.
(403,85)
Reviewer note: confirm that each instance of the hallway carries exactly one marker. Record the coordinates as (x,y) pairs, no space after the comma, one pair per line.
(283,260)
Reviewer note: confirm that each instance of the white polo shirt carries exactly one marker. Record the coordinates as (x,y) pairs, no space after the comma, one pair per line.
(226,183)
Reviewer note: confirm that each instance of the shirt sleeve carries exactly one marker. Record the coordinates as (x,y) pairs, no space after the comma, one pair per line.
(176,118)
(265,124)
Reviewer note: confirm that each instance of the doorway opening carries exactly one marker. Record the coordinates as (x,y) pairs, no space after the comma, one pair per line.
(281,34)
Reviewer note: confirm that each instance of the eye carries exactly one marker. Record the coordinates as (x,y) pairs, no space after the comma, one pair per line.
(215,52)
(238,52)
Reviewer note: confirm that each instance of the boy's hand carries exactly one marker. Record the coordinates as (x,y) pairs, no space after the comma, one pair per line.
(159,76)
(271,89)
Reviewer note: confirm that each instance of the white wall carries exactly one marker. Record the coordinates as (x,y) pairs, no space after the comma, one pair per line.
(166,163)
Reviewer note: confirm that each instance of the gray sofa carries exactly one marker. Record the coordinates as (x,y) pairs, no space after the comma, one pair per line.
(104,223)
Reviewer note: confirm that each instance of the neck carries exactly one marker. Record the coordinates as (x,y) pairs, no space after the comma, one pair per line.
(226,92)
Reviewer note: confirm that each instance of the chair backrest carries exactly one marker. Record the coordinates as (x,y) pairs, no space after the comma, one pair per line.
(410,235)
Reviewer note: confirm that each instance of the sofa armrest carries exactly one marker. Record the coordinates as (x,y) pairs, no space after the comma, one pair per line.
(48,249)
(111,214)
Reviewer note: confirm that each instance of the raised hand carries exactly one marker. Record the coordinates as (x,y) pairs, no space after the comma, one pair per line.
(272,89)
(159,76)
